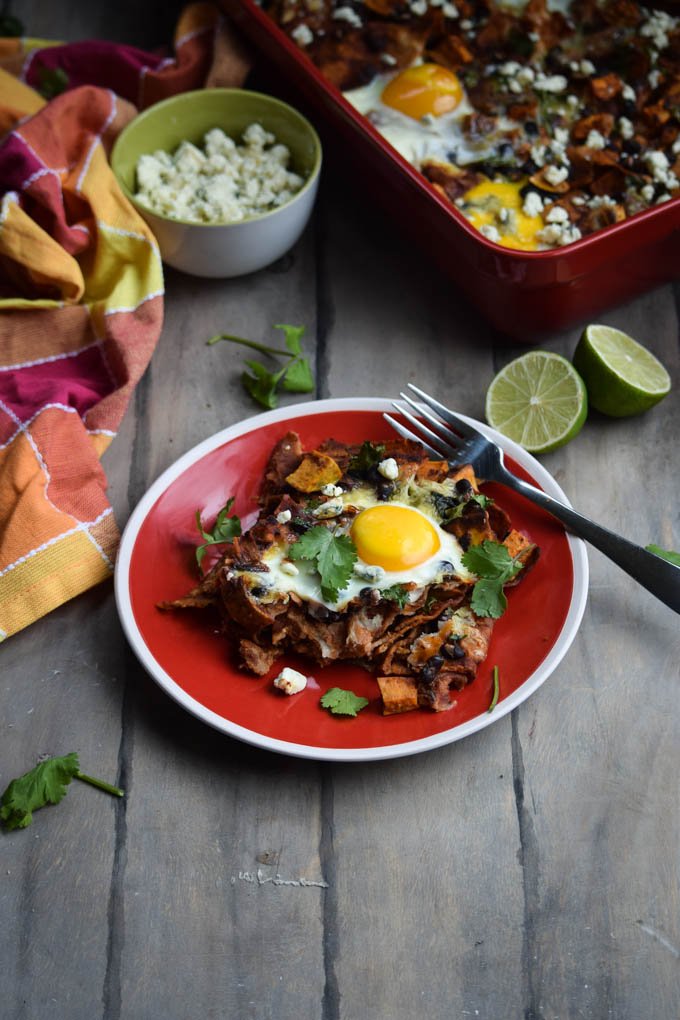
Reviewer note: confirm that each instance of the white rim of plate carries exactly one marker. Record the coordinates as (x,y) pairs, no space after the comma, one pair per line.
(134,636)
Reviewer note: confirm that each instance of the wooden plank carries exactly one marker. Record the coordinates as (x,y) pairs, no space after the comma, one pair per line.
(529,870)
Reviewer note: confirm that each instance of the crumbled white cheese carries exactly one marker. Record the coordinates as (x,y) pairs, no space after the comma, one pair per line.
(388,59)
(526,75)
(586,67)
(557,215)
(284,517)
(557,234)
(490,232)
(533,204)
(654,77)
(290,681)
(333,508)
(556,175)
(550,83)
(302,34)
(370,573)
(596,140)
(289,568)
(450,10)
(647,192)
(332,490)
(538,153)
(658,164)
(221,183)
(349,15)
(657,28)
(628,93)
(418,7)
(389,468)
(626,129)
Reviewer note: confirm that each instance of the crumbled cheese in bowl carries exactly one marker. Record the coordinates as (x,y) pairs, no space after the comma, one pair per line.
(223,182)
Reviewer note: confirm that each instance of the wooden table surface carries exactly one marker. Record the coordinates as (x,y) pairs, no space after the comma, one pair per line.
(529,871)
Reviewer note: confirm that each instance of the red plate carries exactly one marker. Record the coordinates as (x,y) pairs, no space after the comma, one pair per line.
(195,664)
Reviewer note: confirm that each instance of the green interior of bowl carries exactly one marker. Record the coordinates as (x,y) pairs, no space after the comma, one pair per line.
(190,115)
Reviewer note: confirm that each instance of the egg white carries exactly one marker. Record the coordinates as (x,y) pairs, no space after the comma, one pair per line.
(306,583)
(440,137)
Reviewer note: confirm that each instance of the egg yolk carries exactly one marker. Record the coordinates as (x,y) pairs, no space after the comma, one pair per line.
(427,88)
(483,203)
(394,537)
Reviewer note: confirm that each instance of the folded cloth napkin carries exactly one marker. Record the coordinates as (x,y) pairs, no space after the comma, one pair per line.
(81,306)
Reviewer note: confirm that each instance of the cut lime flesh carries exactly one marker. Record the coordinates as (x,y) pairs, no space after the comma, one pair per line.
(539,400)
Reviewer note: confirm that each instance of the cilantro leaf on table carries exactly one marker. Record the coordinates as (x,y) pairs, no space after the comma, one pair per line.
(297,377)
(292,337)
(665,554)
(341,702)
(224,530)
(368,456)
(334,556)
(492,564)
(261,383)
(44,784)
(52,81)
(10,26)
(396,593)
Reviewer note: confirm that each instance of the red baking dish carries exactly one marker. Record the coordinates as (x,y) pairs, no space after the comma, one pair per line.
(525,295)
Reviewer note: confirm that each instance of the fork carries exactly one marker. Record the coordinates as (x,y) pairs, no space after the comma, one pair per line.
(463,444)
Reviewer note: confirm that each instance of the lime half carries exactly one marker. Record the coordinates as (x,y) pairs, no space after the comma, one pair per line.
(622,377)
(538,400)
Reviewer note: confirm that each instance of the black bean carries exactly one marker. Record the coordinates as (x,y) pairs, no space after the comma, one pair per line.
(463,486)
(452,650)
(384,489)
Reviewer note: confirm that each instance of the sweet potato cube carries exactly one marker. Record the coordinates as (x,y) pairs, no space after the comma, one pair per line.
(399,694)
(313,472)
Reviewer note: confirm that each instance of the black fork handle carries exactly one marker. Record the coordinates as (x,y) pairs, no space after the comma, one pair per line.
(659,576)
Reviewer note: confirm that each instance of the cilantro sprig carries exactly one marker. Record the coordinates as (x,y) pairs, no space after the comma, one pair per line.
(665,554)
(263,384)
(368,456)
(458,510)
(496,689)
(396,593)
(494,566)
(341,702)
(333,555)
(225,529)
(44,784)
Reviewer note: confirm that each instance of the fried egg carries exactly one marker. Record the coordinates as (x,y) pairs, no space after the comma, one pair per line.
(420,112)
(498,207)
(396,542)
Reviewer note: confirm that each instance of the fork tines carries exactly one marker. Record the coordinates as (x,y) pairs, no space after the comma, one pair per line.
(442,443)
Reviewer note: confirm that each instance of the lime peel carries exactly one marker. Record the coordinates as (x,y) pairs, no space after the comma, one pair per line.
(539,400)
(622,376)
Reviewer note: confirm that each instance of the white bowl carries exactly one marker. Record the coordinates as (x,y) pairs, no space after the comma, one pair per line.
(222,249)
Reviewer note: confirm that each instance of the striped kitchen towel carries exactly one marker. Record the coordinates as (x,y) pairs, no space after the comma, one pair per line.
(81,310)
